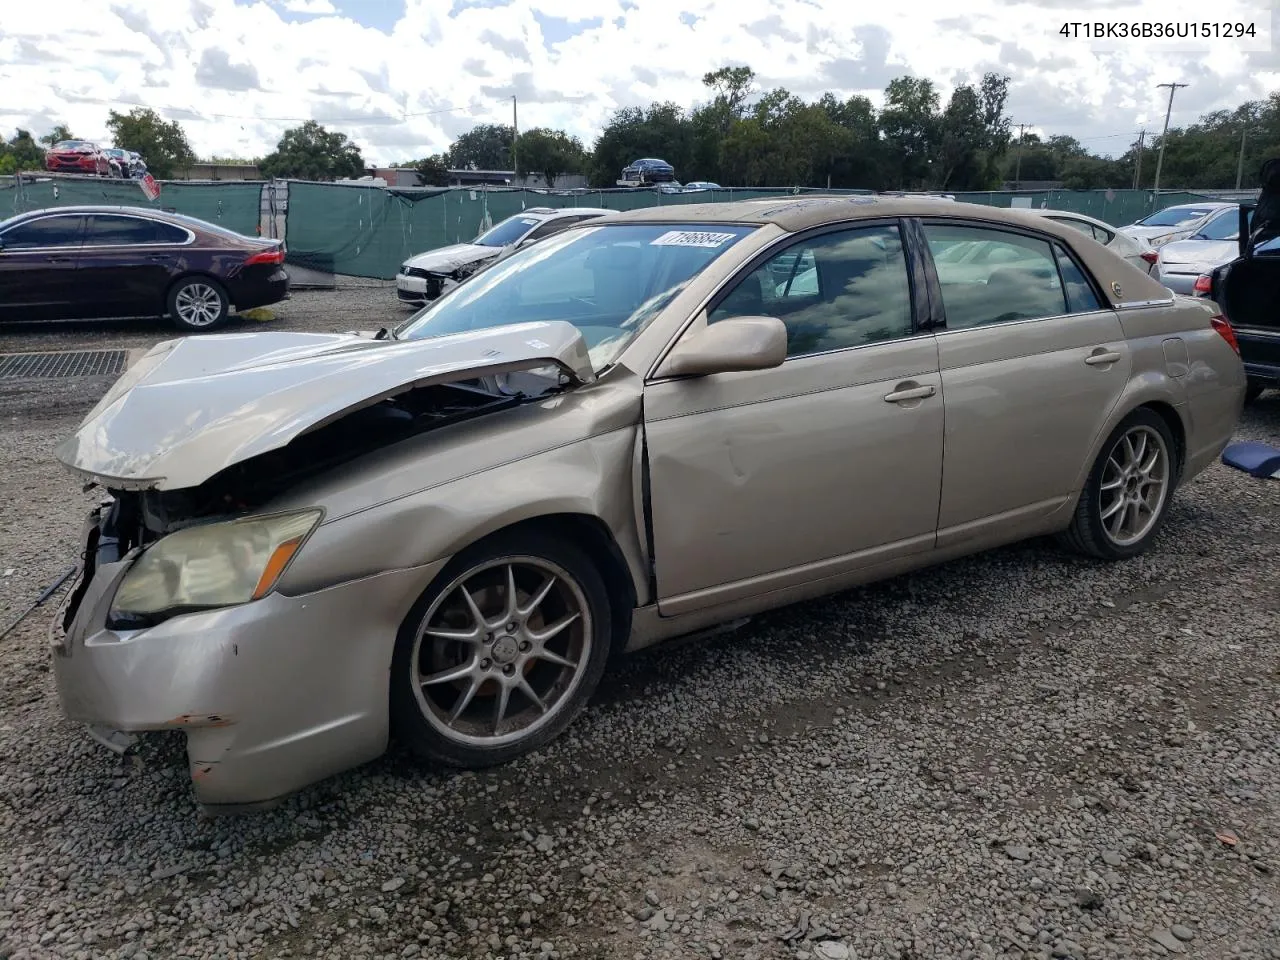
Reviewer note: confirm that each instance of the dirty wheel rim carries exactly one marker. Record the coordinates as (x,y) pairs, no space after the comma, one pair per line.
(501,651)
(198,304)
(1135,483)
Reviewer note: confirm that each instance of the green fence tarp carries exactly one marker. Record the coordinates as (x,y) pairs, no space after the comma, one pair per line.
(368,230)
(1116,207)
(234,205)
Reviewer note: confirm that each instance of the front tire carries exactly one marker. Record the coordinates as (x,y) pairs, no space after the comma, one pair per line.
(198,304)
(1252,392)
(501,653)
(1126,498)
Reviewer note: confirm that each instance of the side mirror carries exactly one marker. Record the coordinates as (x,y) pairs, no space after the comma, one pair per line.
(729,346)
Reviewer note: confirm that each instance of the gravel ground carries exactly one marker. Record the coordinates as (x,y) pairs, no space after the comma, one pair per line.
(1018,755)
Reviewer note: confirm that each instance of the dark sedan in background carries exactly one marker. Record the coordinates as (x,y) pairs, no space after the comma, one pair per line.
(73,263)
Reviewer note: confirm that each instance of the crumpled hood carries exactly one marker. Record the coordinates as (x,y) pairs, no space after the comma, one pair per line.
(194,406)
(1208,252)
(447,259)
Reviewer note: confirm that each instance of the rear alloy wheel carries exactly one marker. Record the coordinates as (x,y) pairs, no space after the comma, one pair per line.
(1127,495)
(198,304)
(507,648)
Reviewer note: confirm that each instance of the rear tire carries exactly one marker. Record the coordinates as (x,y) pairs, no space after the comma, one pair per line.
(479,678)
(198,304)
(1252,392)
(1127,495)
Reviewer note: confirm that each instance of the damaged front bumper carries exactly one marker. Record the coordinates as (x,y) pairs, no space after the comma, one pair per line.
(423,287)
(272,695)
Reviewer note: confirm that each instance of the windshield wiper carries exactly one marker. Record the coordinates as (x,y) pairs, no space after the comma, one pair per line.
(385,333)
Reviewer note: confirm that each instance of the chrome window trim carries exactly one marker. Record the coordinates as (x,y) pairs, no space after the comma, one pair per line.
(43,216)
(821,353)
(946,331)
(191,237)
(1143,304)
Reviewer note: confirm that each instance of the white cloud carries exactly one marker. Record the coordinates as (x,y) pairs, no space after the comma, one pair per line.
(237,73)
(314,7)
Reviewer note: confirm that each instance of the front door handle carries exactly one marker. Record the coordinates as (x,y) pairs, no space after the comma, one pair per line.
(60,259)
(1094,359)
(909,393)
(160,257)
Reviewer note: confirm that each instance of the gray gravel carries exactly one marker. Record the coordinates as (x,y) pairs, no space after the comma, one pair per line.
(1018,755)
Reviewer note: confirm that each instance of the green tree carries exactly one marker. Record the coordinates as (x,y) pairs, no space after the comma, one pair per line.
(432,171)
(972,135)
(57,135)
(663,131)
(162,143)
(310,152)
(550,153)
(712,122)
(910,125)
(20,152)
(486,146)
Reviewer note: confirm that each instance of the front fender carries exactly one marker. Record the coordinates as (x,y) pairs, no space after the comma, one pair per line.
(591,477)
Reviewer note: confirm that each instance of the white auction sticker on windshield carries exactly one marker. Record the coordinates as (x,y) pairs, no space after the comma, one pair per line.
(691,238)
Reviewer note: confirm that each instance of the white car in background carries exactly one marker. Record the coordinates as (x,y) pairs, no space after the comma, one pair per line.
(1216,242)
(1134,251)
(425,276)
(1174,223)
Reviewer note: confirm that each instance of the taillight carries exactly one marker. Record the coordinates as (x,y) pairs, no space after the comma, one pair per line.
(1204,283)
(1224,330)
(1150,256)
(274,255)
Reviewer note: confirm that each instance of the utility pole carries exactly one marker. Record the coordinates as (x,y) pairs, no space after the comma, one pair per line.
(1240,163)
(1017,171)
(1137,169)
(1173,88)
(515,138)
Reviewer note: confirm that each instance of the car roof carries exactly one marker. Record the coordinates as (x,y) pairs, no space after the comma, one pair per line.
(793,213)
(551,213)
(164,216)
(1122,282)
(1069,213)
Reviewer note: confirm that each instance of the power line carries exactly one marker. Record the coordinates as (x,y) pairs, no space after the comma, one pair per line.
(77,98)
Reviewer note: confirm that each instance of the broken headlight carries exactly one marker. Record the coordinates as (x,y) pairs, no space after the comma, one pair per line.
(211,565)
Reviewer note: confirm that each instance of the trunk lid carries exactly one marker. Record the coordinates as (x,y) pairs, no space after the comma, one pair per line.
(192,407)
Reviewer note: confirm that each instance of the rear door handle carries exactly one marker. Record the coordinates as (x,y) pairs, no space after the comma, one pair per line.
(60,259)
(1094,359)
(909,393)
(160,257)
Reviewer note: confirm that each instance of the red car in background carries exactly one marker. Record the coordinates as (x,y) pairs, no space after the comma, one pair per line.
(77,156)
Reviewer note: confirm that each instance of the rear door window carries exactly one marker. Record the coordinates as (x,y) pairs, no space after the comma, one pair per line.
(994,276)
(104,230)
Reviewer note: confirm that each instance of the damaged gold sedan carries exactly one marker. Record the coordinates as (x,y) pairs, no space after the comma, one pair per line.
(631,431)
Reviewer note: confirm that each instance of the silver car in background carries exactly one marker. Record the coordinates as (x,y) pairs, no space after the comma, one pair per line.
(642,427)
(1124,246)
(1182,262)
(1174,223)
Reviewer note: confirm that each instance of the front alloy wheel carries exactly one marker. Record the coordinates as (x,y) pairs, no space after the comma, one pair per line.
(508,650)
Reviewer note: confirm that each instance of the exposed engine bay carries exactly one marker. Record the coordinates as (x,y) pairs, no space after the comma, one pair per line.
(129,519)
